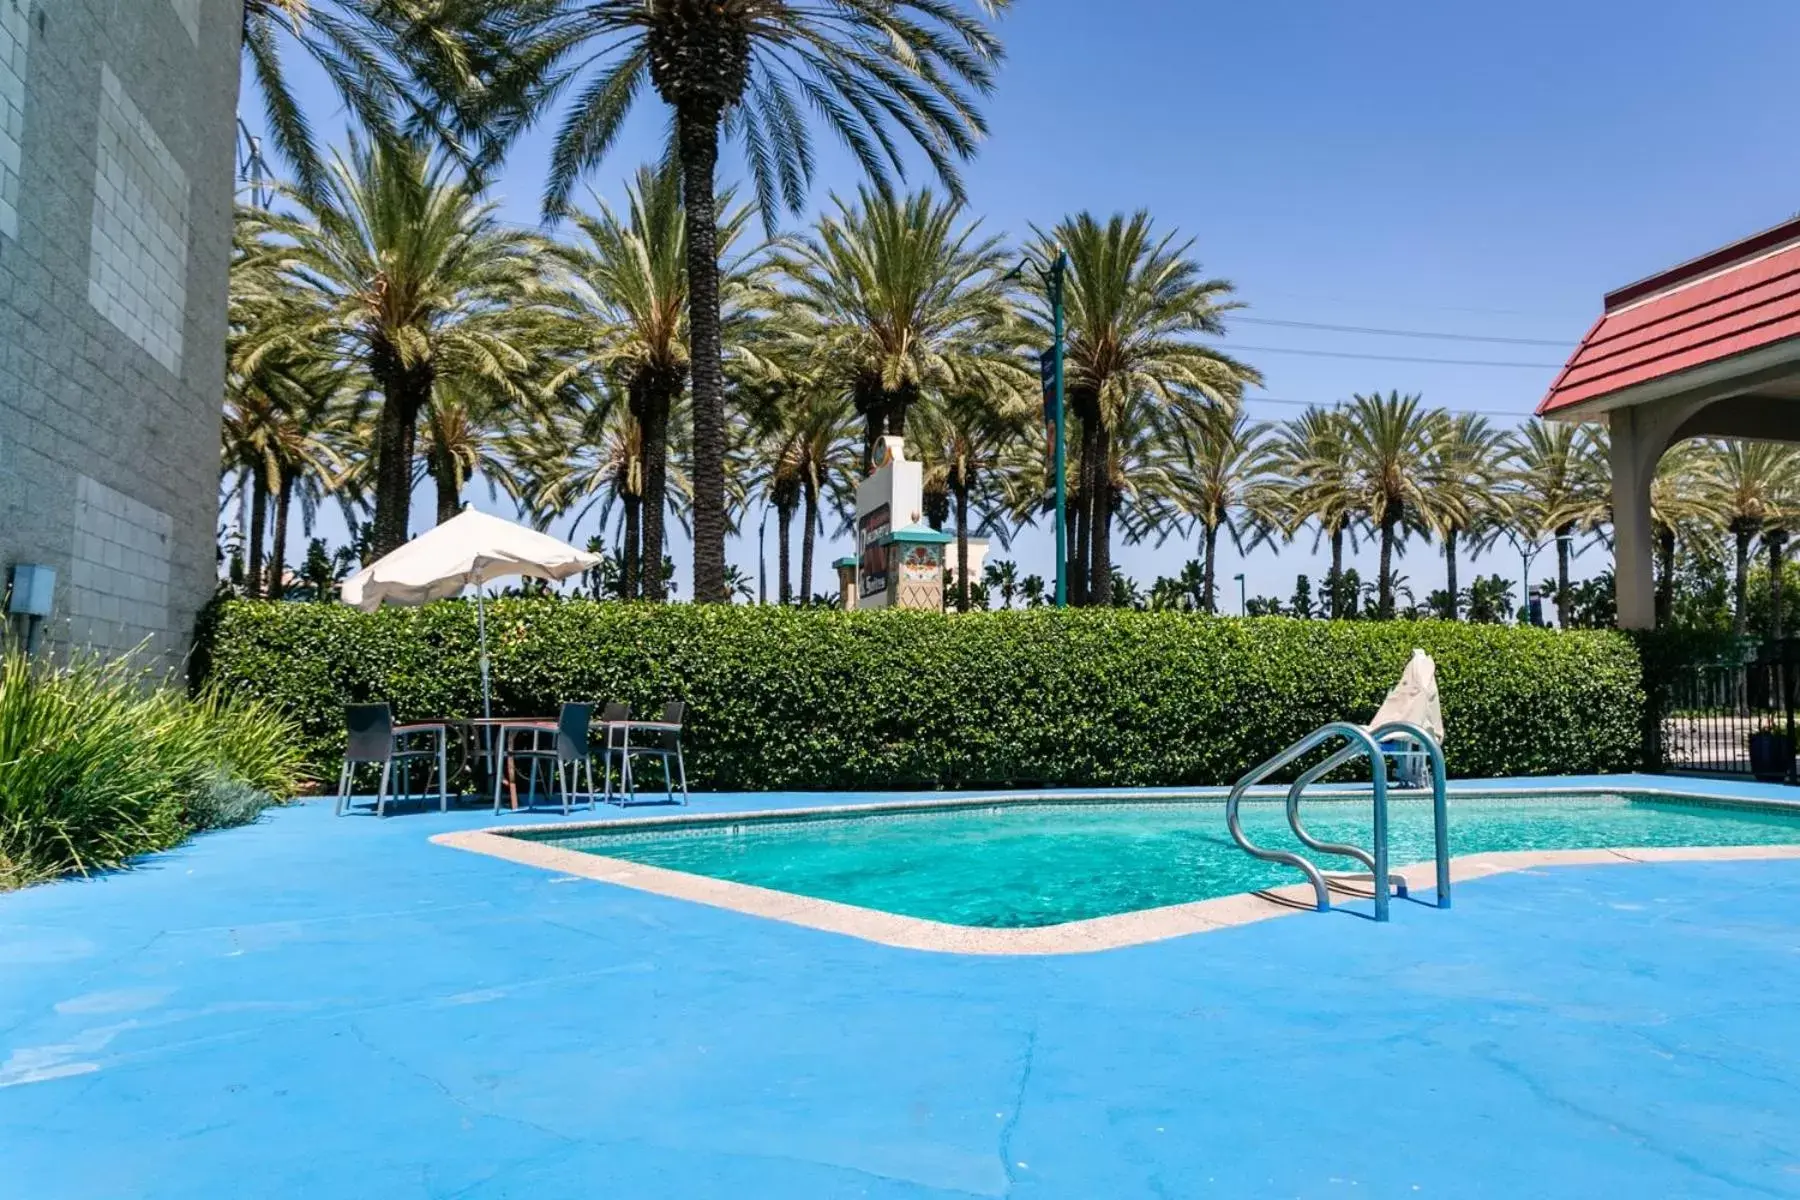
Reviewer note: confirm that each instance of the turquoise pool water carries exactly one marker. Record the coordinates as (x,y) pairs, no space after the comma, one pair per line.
(1032,864)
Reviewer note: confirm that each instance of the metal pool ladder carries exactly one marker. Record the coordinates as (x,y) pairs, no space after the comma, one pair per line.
(1359,743)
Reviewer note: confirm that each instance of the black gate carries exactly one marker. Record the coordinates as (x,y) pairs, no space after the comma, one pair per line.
(1733,714)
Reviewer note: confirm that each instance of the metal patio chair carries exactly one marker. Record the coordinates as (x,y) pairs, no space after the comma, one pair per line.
(566,758)
(664,744)
(374,738)
(614,721)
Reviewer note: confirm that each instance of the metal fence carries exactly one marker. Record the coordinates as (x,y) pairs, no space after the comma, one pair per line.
(1713,709)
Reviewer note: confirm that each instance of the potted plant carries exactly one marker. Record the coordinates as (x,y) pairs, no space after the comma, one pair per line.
(1771,754)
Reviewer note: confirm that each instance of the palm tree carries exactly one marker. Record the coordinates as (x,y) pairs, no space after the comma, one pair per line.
(405,270)
(463,438)
(280,433)
(1002,578)
(782,482)
(751,68)
(1229,488)
(965,436)
(1312,451)
(899,297)
(628,283)
(417,62)
(1135,303)
(585,455)
(1389,442)
(1468,458)
(1679,504)
(1754,486)
(1555,487)
(283,422)
(807,448)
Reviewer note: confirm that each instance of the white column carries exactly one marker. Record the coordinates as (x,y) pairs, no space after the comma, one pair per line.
(1633,467)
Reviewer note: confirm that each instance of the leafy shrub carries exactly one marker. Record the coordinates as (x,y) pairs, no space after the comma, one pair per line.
(97,766)
(785,698)
(222,801)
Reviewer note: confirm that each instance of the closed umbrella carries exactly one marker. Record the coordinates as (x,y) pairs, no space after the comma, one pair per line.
(468,550)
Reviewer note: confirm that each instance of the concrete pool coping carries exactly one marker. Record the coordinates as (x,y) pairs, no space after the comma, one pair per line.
(1074,937)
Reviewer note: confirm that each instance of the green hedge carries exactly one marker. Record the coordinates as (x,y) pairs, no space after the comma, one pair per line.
(782,698)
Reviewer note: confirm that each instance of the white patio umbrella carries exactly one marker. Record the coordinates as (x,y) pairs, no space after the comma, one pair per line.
(468,550)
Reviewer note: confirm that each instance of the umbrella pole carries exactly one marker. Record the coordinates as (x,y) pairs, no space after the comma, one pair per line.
(487,704)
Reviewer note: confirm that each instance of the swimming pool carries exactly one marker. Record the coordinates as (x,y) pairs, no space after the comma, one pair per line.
(1031,864)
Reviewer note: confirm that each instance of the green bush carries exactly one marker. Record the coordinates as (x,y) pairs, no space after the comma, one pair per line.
(784,698)
(96,765)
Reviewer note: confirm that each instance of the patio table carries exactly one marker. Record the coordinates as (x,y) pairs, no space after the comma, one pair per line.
(485,740)
(490,739)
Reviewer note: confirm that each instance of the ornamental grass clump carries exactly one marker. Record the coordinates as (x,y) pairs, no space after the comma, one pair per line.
(97,765)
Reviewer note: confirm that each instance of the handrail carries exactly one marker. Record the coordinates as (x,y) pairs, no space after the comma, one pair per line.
(1440,809)
(1361,743)
(1354,751)
(1357,737)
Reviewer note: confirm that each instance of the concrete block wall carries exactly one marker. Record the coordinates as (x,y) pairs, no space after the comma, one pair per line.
(117,121)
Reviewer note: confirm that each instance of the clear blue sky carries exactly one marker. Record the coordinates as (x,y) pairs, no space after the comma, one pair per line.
(1467,169)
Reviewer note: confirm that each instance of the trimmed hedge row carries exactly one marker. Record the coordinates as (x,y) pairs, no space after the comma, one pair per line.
(783,698)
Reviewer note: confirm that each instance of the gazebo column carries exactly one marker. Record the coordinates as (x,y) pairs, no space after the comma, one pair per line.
(1635,453)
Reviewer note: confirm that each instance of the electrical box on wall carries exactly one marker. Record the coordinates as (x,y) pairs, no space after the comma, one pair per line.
(33,589)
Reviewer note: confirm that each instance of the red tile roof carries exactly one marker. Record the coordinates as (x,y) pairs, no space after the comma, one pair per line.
(1740,298)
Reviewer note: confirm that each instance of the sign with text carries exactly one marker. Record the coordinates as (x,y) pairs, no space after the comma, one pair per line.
(873,556)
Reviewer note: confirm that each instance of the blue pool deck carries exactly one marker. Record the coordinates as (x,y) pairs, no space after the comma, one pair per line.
(313,1007)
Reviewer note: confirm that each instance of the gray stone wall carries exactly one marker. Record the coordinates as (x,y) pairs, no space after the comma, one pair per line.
(116,163)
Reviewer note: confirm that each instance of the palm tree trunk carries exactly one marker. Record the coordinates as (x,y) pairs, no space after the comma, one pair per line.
(1100,522)
(629,554)
(1080,577)
(1450,571)
(697,134)
(658,398)
(1740,617)
(245,483)
(449,488)
(1777,543)
(259,520)
(1665,565)
(404,395)
(1334,609)
(937,504)
(871,438)
(784,521)
(896,404)
(1564,595)
(1384,591)
(867,397)
(810,491)
(1209,571)
(284,500)
(960,485)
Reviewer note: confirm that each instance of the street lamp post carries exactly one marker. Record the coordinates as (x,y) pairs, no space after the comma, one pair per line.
(1051,373)
(1243,604)
(762,558)
(1527,552)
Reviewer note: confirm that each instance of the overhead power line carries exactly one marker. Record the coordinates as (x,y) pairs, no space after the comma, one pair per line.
(1363,301)
(1510,414)
(1399,358)
(1405,333)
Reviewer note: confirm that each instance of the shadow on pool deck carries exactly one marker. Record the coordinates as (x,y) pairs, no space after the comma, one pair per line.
(324,1008)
